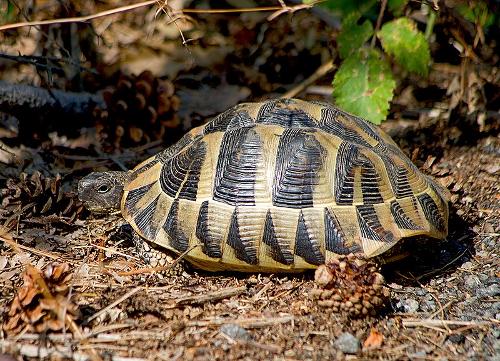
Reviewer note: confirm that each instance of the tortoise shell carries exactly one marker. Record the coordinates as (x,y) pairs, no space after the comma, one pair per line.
(282,185)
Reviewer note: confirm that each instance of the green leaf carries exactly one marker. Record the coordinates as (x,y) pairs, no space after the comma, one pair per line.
(396,6)
(364,85)
(353,36)
(402,39)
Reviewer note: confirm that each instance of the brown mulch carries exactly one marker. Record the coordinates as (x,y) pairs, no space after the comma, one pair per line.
(272,316)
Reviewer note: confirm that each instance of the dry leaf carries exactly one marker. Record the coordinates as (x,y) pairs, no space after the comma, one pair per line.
(374,340)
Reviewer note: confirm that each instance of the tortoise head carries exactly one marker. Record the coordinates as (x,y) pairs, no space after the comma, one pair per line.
(102,192)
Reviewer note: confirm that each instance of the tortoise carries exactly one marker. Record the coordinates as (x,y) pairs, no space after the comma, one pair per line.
(282,185)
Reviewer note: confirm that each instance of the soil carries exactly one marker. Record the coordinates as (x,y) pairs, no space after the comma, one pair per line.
(444,304)
(445,297)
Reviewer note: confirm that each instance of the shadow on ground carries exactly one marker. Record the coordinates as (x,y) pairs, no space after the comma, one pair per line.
(430,258)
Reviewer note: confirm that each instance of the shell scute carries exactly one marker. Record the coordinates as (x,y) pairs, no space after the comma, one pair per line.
(237,167)
(299,159)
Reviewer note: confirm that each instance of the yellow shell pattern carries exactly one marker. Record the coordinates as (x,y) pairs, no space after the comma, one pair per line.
(282,185)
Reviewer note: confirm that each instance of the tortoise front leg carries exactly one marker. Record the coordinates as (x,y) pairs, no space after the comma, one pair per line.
(155,257)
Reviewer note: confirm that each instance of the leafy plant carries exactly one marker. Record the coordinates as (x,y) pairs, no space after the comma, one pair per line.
(364,83)
(401,39)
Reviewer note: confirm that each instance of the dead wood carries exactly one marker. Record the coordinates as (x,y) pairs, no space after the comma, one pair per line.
(21,100)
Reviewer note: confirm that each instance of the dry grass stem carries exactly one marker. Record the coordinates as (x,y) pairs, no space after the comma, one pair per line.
(211,296)
(121,9)
(318,74)
(244,322)
(444,323)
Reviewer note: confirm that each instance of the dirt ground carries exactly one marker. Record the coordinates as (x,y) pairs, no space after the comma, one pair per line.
(447,308)
(445,297)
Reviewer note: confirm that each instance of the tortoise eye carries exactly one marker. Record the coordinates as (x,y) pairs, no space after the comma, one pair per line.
(103,188)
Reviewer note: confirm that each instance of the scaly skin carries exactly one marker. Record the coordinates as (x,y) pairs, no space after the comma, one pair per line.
(101,192)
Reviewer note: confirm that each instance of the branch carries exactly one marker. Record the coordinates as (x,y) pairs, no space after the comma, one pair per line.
(20,99)
(318,74)
(46,62)
(78,19)
(81,19)
(379,22)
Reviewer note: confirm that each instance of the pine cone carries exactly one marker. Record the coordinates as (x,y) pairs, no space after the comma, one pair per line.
(37,195)
(42,303)
(350,284)
(140,109)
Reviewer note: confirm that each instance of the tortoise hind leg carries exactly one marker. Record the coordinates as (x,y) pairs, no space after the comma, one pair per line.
(156,258)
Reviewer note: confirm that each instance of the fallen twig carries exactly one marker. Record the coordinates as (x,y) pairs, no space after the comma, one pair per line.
(6,237)
(211,296)
(113,251)
(288,9)
(115,303)
(18,247)
(256,322)
(444,323)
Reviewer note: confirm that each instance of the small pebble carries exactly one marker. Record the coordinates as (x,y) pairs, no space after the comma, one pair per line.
(289,353)
(490,291)
(492,168)
(471,282)
(253,280)
(490,242)
(483,277)
(482,254)
(420,292)
(408,305)
(347,343)
(467,265)
(235,332)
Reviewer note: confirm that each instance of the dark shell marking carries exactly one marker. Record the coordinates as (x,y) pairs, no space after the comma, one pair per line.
(298,160)
(240,153)
(290,184)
